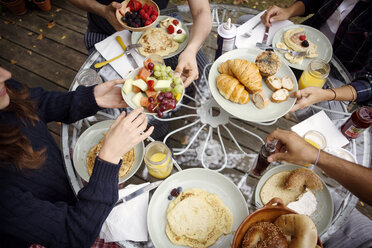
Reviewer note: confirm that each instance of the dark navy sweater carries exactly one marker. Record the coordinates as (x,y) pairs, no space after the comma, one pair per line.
(39,206)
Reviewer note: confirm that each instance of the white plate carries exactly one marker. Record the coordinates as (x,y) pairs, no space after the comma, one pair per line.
(128,98)
(208,180)
(249,111)
(325,50)
(323,214)
(90,138)
(137,35)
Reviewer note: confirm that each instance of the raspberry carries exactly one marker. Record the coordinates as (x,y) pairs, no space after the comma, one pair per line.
(179,31)
(147,23)
(175,192)
(153,17)
(170,29)
(302,37)
(175,22)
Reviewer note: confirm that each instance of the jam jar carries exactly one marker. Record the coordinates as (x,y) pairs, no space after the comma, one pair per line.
(360,120)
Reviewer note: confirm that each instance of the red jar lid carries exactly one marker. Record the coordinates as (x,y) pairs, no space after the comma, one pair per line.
(365,115)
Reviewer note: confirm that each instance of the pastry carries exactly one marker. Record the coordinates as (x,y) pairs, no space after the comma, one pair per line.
(264,235)
(303,178)
(248,74)
(224,68)
(268,63)
(232,89)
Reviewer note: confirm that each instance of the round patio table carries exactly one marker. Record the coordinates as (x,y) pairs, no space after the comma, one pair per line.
(241,146)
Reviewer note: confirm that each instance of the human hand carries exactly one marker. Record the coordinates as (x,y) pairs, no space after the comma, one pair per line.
(123,135)
(273,14)
(187,67)
(308,96)
(292,148)
(110,15)
(107,95)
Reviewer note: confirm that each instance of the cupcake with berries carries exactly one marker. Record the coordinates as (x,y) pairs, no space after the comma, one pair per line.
(138,15)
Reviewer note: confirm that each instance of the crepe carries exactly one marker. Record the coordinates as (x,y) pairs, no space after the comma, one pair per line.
(274,187)
(157,41)
(197,218)
(127,158)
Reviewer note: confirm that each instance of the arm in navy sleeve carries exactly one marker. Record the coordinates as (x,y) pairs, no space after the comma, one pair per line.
(59,224)
(312,6)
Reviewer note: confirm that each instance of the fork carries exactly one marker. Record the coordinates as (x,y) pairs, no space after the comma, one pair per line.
(129,47)
(250,31)
(293,53)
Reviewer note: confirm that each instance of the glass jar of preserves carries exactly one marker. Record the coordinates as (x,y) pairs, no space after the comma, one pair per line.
(158,159)
(360,120)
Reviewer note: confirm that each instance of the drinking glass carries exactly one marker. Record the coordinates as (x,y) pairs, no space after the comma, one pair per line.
(88,77)
(315,74)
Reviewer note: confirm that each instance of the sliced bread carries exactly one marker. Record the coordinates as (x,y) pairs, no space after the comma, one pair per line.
(260,99)
(287,83)
(280,96)
(274,83)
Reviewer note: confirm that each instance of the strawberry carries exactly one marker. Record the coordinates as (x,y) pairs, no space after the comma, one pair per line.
(145,7)
(150,84)
(302,37)
(142,11)
(153,17)
(131,6)
(175,22)
(155,13)
(170,29)
(137,5)
(147,23)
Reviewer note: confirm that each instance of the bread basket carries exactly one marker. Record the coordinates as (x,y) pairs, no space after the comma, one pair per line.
(272,210)
(124,9)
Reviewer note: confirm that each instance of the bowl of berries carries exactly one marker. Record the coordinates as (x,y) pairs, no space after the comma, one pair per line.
(137,15)
(154,87)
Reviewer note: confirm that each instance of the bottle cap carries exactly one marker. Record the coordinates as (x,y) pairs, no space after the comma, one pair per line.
(227,30)
(271,145)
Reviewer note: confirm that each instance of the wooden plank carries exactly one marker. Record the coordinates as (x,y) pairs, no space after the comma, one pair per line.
(58,33)
(29,78)
(67,7)
(41,66)
(45,47)
(69,19)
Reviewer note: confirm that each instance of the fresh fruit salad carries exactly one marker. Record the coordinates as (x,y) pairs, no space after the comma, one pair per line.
(155,87)
(139,15)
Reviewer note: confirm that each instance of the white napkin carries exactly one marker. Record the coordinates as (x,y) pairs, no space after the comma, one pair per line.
(258,32)
(110,48)
(321,123)
(127,221)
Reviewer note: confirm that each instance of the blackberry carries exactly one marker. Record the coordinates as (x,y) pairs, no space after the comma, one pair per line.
(305,43)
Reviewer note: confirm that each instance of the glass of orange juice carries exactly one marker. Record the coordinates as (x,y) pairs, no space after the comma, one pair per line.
(315,74)
(158,159)
(316,139)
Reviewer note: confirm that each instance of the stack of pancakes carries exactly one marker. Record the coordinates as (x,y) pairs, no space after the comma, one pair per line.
(128,159)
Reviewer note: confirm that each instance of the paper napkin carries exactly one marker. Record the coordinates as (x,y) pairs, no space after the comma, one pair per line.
(321,123)
(127,221)
(258,32)
(110,48)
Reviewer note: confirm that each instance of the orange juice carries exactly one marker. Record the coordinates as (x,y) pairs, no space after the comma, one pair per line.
(315,74)
(158,159)
(315,139)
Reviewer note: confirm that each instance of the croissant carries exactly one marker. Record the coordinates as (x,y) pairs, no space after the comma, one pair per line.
(232,89)
(248,74)
(224,68)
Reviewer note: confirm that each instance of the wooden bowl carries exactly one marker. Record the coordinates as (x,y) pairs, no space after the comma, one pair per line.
(125,9)
(267,213)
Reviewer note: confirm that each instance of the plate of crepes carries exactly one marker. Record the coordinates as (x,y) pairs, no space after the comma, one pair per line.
(195,208)
(154,87)
(302,38)
(300,189)
(252,85)
(167,38)
(88,146)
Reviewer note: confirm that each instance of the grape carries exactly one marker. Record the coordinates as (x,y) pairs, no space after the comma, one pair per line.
(168,69)
(157,73)
(160,114)
(151,107)
(150,66)
(165,101)
(162,107)
(151,99)
(164,74)
(160,97)
(172,103)
(168,89)
(156,68)
(163,68)
(168,95)
(171,74)
(177,80)
(178,89)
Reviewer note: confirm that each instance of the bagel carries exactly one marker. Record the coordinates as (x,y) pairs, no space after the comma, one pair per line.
(302,178)
(299,230)
(264,235)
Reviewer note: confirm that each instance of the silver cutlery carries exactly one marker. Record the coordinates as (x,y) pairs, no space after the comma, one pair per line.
(250,31)
(138,192)
(264,40)
(126,52)
(293,53)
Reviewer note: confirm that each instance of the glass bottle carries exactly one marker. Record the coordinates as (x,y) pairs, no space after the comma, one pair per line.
(261,163)
(158,159)
(226,38)
(360,120)
(315,74)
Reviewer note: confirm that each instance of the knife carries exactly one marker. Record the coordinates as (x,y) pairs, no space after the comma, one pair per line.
(138,192)
(132,61)
(266,35)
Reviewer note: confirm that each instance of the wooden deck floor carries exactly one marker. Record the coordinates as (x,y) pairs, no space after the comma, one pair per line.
(40,54)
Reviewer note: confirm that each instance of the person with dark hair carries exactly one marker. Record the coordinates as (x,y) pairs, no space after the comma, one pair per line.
(37,201)
(103,23)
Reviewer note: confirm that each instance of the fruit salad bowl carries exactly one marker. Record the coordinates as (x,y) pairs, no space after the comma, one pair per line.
(137,15)
(153,87)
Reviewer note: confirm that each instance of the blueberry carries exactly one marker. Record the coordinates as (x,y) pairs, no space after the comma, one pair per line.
(179,189)
(305,43)
(127,15)
(137,21)
(170,197)
(124,19)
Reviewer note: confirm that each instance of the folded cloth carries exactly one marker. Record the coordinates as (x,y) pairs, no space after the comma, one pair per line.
(258,32)
(321,123)
(127,221)
(110,48)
